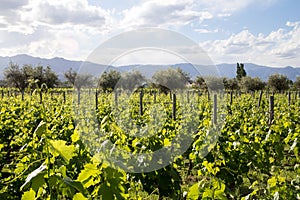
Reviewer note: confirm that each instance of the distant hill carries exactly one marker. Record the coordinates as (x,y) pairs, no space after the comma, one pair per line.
(61,65)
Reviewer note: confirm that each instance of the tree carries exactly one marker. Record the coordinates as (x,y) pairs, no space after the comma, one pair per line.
(70,75)
(252,84)
(18,77)
(231,84)
(214,83)
(200,83)
(297,83)
(108,80)
(44,76)
(27,75)
(278,82)
(3,83)
(78,80)
(185,75)
(170,79)
(240,71)
(131,80)
(50,78)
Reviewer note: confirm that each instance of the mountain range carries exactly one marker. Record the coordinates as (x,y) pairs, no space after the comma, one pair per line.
(61,65)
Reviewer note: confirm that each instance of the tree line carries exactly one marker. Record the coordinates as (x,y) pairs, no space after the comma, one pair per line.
(41,77)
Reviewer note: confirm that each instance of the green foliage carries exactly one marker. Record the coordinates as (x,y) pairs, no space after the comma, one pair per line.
(214,83)
(18,77)
(170,79)
(297,83)
(278,82)
(131,80)
(251,84)
(43,154)
(200,83)
(240,71)
(231,84)
(78,80)
(108,80)
(26,75)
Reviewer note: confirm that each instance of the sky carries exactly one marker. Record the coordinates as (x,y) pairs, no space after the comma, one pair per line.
(229,31)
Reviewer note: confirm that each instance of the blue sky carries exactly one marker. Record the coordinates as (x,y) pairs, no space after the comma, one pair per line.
(262,32)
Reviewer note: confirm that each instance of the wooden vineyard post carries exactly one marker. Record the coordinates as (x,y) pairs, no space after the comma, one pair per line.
(154,96)
(3,94)
(96,100)
(289,98)
(174,107)
(78,97)
(141,103)
(64,96)
(215,118)
(41,97)
(260,97)
(271,109)
(116,98)
(23,94)
(188,96)
(231,97)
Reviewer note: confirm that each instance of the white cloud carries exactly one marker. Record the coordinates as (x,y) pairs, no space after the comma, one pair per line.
(203,30)
(73,28)
(178,13)
(281,47)
(163,13)
(69,29)
(292,24)
(224,8)
(61,12)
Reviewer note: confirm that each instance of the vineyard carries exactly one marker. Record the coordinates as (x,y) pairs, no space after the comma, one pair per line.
(50,146)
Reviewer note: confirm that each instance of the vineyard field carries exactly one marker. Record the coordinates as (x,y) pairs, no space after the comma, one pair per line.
(51,147)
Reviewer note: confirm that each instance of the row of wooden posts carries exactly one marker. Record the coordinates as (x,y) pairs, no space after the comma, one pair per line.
(215,104)
(173,98)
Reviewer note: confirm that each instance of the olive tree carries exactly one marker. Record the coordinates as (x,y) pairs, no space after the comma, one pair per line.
(78,80)
(170,79)
(278,82)
(108,80)
(252,84)
(18,77)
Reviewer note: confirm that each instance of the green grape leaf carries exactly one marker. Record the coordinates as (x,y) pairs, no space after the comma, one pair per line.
(272,181)
(90,170)
(106,192)
(79,196)
(193,192)
(34,174)
(75,184)
(167,142)
(40,129)
(38,181)
(75,136)
(59,147)
(29,195)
